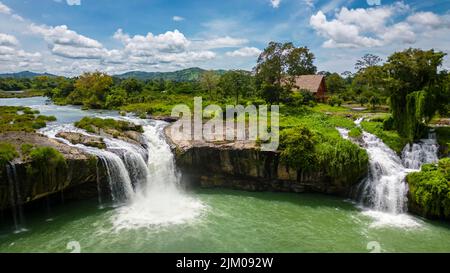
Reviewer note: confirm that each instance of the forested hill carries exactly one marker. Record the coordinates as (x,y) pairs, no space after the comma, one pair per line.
(185,75)
(24,74)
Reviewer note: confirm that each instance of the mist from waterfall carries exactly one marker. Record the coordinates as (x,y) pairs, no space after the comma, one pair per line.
(144,181)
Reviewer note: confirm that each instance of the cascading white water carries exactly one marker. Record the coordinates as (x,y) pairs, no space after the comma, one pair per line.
(384,190)
(144,182)
(422,152)
(15,198)
(160,201)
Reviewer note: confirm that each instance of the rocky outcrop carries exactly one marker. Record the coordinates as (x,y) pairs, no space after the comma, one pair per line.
(83,173)
(242,165)
(77,138)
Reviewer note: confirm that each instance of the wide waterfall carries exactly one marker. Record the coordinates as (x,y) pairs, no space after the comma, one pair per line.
(144,182)
(384,191)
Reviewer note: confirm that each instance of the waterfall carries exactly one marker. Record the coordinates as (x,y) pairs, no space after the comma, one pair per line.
(159,201)
(15,197)
(384,191)
(422,152)
(144,181)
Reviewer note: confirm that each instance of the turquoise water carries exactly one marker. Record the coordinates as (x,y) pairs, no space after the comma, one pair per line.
(233,221)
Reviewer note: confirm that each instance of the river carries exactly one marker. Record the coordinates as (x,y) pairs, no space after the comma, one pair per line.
(158,217)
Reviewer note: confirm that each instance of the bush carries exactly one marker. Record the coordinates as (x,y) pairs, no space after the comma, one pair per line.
(90,124)
(355,132)
(7,153)
(342,159)
(297,148)
(430,188)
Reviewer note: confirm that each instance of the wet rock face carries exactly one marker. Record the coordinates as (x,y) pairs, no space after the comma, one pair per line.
(253,170)
(81,171)
(77,138)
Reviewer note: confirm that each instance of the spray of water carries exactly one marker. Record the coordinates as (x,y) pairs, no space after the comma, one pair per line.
(144,182)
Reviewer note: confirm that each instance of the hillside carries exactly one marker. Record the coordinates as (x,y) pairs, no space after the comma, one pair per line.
(189,74)
(24,74)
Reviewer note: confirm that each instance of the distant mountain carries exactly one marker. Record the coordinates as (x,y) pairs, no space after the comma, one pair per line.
(190,74)
(24,74)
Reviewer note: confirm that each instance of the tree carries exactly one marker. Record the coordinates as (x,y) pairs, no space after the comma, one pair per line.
(366,61)
(414,85)
(132,85)
(236,83)
(277,66)
(209,81)
(335,83)
(91,89)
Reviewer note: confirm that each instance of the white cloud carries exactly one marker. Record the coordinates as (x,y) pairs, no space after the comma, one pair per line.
(275,3)
(8,40)
(73,2)
(171,41)
(372,27)
(169,47)
(244,52)
(221,42)
(4,9)
(177,18)
(425,19)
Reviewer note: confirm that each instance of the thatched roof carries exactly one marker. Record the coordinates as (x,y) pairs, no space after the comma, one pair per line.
(308,82)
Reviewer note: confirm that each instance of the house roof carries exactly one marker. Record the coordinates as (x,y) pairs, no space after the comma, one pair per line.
(308,82)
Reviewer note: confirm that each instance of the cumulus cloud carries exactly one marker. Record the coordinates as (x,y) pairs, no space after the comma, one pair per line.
(275,3)
(244,52)
(8,40)
(372,27)
(168,47)
(177,18)
(4,9)
(67,43)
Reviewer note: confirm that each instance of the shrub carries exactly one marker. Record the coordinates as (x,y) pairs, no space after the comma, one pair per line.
(430,188)
(7,153)
(297,148)
(355,132)
(89,124)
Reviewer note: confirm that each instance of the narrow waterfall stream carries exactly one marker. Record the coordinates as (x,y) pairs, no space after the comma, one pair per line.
(144,183)
(383,193)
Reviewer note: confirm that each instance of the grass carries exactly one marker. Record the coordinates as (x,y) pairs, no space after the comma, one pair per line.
(93,124)
(24,94)
(391,138)
(7,153)
(17,118)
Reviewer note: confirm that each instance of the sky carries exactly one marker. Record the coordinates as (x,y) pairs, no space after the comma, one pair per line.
(69,37)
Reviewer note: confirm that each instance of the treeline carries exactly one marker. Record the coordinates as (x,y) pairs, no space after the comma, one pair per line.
(409,82)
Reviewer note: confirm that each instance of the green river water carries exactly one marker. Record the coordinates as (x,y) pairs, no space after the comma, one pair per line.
(233,221)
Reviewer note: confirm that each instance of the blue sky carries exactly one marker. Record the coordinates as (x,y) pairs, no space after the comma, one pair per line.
(69,37)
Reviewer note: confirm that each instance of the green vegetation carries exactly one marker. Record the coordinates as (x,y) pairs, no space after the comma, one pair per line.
(309,141)
(47,166)
(391,138)
(355,132)
(7,153)
(14,118)
(430,188)
(443,138)
(94,124)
